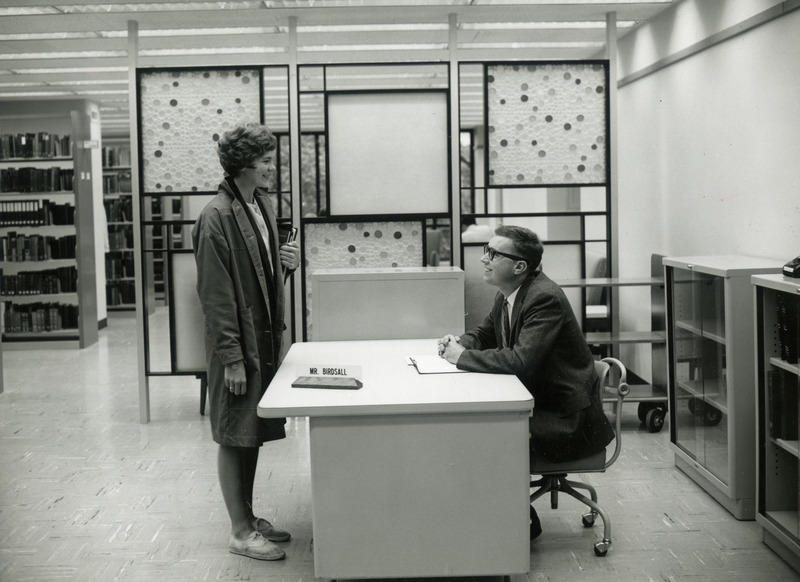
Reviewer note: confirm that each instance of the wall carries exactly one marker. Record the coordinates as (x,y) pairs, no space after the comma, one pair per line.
(708,149)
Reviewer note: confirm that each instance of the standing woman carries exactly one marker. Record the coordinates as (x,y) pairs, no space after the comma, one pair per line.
(240,278)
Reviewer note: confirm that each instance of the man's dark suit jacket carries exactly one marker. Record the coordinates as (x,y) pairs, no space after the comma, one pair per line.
(549,355)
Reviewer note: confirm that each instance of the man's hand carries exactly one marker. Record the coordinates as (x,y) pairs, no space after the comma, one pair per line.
(449,348)
(453,351)
(442,343)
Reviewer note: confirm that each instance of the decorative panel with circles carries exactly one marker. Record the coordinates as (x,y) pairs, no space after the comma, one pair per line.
(547,123)
(350,245)
(182,116)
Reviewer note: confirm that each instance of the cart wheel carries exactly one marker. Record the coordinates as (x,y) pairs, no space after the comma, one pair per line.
(644,408)
(655,420)
(712,416)
(700,407)
(601,548)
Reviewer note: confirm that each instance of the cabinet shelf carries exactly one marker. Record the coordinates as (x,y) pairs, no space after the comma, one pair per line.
(626,337)
(706,329)
(784,365)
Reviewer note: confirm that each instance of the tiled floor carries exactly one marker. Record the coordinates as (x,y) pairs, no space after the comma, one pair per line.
(89,494)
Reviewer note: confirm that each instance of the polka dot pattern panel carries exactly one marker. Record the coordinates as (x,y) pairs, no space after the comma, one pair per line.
(359,245)
(547,124)
(183,114)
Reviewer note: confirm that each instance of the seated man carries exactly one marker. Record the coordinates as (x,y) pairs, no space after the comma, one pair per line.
(532,332)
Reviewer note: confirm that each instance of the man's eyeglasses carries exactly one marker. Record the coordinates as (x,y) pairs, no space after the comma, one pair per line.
(487,250)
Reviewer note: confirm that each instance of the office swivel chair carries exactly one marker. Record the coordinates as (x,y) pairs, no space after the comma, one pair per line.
(554,475)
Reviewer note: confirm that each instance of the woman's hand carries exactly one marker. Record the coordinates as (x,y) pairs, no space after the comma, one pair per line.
(236,378)
(290,255)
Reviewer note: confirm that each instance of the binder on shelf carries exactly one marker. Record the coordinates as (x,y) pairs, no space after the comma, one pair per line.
(788,321)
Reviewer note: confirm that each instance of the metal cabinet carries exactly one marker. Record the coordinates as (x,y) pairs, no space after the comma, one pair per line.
(710,346)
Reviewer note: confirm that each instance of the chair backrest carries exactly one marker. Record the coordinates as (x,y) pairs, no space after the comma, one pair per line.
(614,381)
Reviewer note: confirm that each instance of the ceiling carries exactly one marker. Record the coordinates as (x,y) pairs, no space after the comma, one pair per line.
(73,50)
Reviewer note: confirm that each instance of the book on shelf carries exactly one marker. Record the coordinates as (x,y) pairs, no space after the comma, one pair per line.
(39,317)
(782,404)
(28,179)
(116,156)
(120,293)
(119,209)
(788,322)
(35,145)
(36,213)
(15,247)
(46,281)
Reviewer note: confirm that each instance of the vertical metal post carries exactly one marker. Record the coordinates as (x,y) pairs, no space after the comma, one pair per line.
(138,262)
(611,54)
(294,150)
(455,144)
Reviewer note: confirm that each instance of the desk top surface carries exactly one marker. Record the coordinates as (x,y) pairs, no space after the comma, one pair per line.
(390,384)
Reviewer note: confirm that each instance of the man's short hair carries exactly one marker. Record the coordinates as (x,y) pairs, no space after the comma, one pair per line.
(526,244)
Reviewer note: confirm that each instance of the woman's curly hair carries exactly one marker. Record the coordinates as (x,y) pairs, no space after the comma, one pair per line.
(239,147)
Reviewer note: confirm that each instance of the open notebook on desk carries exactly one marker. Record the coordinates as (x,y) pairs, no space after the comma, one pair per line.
(428,364)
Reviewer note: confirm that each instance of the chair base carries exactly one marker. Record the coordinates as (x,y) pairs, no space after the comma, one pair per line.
(555,483)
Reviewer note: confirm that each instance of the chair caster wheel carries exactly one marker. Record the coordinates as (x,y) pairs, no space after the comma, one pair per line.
(601,548)
(588,519)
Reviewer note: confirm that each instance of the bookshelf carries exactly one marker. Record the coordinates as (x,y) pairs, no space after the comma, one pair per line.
(777,304)
(49,262)
(118,203)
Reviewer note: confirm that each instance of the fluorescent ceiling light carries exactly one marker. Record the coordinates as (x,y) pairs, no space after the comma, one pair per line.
(541,25)
(38,94)
(372,47)
(211,51)
(528,45)
(372,27)
(45,71)
(108,92)
(63,55)
(84,83)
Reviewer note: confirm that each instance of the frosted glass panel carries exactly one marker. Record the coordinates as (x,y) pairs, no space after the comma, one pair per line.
(388,153)
(182,115)
(547,124)
(359,245)
(189,332)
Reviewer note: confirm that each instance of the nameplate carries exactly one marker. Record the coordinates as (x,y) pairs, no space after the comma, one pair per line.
(329,376)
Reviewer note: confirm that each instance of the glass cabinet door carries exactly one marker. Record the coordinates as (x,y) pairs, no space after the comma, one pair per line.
(700,398)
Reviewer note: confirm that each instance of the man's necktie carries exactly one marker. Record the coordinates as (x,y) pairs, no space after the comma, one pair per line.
(506,326)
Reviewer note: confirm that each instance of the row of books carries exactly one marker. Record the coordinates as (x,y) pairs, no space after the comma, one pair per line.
(120,293)
(28,179)
(119,266)
(35,145)
(120,237)
(46,281)
(16,247)
(36,213)
(788,321)
(782,404)
(39,317)
(117,183)
(119,210)
(116,156)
